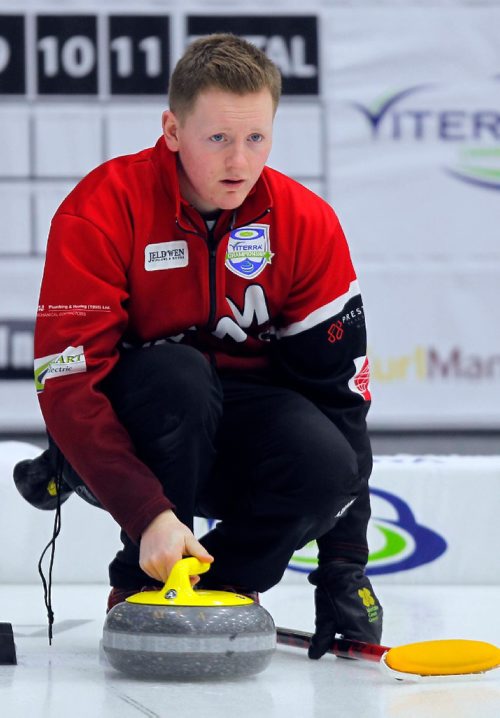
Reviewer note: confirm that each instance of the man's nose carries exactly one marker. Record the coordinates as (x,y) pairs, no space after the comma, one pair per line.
(236,155)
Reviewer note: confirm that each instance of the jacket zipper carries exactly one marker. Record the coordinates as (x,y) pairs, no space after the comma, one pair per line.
(212,255)
(212,266)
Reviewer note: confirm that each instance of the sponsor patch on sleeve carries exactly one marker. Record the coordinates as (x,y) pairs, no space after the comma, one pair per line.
(360,382)
(70,361)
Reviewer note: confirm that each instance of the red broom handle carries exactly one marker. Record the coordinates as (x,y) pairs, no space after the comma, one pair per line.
(342,647)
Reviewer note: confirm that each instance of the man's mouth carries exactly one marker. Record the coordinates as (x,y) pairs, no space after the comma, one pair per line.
(232,182)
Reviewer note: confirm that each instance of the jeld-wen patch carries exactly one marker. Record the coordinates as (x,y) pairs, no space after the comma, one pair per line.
(166,255)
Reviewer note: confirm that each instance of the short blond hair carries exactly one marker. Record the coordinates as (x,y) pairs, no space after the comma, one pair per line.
(223,61)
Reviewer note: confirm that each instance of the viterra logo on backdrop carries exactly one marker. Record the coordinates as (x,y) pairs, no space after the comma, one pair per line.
(466,130)
(397,541)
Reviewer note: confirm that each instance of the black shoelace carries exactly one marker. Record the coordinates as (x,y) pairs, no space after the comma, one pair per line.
(47,585)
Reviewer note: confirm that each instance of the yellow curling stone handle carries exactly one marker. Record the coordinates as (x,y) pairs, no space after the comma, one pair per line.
(178,590)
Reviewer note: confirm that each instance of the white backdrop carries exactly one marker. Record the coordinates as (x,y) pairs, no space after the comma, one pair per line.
(399,130)
(434,520)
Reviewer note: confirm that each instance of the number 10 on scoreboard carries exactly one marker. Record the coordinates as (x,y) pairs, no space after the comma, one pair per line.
(125,55)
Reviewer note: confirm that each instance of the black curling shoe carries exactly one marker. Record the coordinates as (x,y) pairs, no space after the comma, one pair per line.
(35,480)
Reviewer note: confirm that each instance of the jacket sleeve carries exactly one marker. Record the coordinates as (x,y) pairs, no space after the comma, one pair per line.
(320,350)
(81,318)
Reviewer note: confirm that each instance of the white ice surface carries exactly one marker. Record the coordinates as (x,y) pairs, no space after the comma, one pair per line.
(69,679)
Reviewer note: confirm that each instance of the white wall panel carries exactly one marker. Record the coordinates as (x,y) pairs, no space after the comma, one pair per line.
(129,128)
(298,140)
(48,197)
(15,142)
(15,222)
(68,142)
(20,282)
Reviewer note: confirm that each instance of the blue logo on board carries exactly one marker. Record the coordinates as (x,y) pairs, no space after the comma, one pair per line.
(400,543)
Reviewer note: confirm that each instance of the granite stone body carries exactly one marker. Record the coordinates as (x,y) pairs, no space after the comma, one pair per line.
(189,642)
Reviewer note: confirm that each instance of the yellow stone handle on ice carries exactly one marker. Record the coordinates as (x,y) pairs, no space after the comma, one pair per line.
(178,590)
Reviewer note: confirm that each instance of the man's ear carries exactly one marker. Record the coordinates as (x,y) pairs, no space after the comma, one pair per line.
(170,130)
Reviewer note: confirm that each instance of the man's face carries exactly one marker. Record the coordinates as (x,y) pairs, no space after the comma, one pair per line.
(223,145)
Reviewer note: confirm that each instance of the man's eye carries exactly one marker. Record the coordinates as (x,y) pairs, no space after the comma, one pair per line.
(217,138)
(256,137)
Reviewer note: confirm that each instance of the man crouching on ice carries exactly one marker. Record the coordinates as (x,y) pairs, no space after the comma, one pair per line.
(209,358)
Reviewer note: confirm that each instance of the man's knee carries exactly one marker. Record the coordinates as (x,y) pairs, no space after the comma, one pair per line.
(161,387)
(331,479)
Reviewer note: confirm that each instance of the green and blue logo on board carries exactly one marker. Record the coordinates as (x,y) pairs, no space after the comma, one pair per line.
(398,543)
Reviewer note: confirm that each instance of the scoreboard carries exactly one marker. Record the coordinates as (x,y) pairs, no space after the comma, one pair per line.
(114,55)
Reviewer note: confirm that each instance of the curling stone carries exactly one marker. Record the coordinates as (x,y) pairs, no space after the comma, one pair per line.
(178,633)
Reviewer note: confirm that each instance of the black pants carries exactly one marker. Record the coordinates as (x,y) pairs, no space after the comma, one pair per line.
(261,458)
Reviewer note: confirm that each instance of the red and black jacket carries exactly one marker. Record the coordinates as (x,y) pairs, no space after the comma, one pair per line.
(271,286)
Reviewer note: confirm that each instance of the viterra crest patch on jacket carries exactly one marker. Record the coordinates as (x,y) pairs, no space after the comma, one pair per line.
(70,361)
(166,255)
(249,250)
